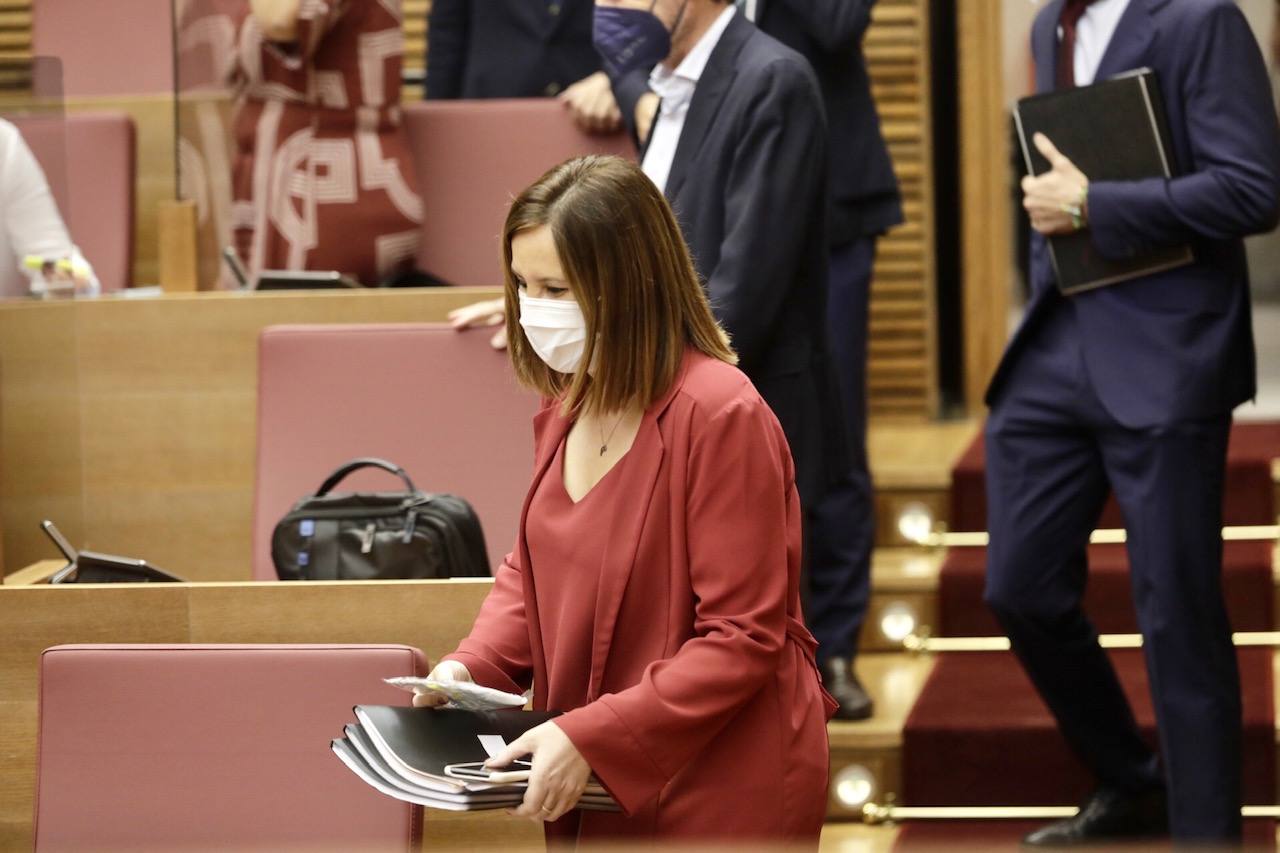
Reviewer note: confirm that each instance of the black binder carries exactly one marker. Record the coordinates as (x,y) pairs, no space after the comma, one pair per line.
(412,754)
(1114,130)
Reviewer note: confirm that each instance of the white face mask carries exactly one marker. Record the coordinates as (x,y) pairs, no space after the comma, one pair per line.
(556,330)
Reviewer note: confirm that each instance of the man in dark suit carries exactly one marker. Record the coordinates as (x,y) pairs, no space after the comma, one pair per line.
(1130,387)
(519,49)
(739,148)
(864,202)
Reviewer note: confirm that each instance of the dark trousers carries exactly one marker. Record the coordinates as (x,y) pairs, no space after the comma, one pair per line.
(1053,453)
(841,524)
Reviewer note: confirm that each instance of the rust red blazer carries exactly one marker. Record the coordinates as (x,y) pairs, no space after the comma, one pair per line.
(706,716)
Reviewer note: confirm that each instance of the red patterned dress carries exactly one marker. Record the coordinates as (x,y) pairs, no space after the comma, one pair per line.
(322,179)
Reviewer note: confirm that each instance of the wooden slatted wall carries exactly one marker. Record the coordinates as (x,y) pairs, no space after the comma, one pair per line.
(901,376)
(15,45)
(415,43)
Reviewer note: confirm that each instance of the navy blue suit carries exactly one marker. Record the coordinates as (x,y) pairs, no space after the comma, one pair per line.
(864,202)
(1130,388)
(747,186)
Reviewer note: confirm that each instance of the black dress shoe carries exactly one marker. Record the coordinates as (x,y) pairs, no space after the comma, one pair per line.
(844,687)
(1108,815)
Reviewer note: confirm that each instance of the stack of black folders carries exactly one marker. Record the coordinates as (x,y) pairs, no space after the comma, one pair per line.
(434,757)
(1113,130)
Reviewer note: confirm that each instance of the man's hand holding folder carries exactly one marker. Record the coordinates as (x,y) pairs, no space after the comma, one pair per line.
(1057,200)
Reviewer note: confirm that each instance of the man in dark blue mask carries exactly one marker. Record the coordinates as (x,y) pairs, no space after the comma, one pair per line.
(738,144)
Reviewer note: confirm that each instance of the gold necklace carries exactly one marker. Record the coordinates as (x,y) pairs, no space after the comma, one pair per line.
(604,442)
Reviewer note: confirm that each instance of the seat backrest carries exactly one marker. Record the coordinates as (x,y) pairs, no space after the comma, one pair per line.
(209,747)
(472,158)
(441,404)
(89,162)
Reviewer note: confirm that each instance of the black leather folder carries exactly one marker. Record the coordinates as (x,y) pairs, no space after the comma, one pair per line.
(1114,130)
(405,752)
(428,740)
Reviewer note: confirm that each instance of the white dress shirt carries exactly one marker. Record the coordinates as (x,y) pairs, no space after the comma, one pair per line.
(1093,34)
(675,88)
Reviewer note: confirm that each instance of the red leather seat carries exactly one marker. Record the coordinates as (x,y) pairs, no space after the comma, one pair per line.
(89,162)
(472,158)
(439,403)
(211,747)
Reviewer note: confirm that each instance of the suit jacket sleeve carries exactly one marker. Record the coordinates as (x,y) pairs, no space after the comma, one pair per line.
(777,172)
(627,91)
(739,488)
(497,651)
(1233,186)
(833,24)
(447,27)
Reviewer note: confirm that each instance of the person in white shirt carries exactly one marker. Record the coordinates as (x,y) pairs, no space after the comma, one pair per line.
(32,226)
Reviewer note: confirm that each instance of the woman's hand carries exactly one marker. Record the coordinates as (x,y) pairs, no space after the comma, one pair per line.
(491,312)
(558,777)
(448,670)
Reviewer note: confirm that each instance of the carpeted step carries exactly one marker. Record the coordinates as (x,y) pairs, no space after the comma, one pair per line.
(1249,497)
(1246,578)
(980,735)
(1001,836)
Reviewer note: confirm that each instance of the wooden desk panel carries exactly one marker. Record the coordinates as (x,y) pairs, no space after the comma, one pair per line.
(132,423)
(40,460)
(431,615)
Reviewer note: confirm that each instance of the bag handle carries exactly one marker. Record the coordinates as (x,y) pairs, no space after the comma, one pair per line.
(365,462)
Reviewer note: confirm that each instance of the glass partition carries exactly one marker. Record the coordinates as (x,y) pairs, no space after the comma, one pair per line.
(205,34)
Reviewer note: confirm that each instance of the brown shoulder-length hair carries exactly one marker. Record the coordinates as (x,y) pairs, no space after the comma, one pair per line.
(630,270)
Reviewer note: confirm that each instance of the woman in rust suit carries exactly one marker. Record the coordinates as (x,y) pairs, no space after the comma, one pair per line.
(652,594)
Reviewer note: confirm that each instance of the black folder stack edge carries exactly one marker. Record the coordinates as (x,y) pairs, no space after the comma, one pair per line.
(404,753)
(1114,130)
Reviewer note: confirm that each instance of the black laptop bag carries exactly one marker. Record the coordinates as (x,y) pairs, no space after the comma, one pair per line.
(378,535)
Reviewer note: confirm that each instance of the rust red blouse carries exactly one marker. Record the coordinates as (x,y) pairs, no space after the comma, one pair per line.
(567,543)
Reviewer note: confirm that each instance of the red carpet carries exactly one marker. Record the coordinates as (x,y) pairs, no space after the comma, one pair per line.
(1247,582)
(989,836)
(980,735)
(1249,497)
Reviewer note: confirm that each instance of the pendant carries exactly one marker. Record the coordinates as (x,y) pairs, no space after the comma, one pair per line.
(603,448)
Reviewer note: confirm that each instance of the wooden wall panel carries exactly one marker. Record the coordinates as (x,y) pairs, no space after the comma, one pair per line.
(986,215)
